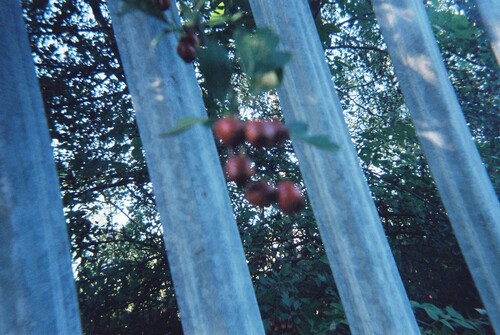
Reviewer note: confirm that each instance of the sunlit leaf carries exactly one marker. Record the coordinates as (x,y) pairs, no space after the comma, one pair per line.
(217,14)
(220,20)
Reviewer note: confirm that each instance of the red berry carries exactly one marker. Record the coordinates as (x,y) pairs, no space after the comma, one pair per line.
(290,198)
(267,133)
(191,38)
(187,52)
(239,169)
(275,132)
(187,47)
(255,133)
(229,131)
(162,4)
(260,193)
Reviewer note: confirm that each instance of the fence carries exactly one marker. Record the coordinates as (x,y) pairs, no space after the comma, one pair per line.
(205,253)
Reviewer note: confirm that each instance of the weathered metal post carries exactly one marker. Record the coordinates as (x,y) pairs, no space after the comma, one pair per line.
(369,284)
(211,278)
(37,291)
(490,13)
(464,186)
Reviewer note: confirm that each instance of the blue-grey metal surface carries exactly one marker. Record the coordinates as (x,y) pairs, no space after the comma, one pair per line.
(37,291)
(364,269)
(211,278)
(464,186)
(490,14)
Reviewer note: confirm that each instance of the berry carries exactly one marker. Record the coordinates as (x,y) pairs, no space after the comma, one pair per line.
(260,193)
(239,169)
(187,52)
(290,200)
(275,132)
(254,133)
(187,47)
(265,134)
(162,4)
(191,38)
(229,131)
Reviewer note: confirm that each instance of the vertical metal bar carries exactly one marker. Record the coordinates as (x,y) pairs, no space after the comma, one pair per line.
(364,269)
(490,13)
(464,186)
(37,291)
(211,278)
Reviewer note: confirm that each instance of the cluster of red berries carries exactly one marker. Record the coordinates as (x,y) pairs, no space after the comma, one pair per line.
(260,134)
(281,326)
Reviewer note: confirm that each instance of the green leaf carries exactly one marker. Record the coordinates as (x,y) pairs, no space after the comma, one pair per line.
(466,324)
(433,311)
(216,68)
(285,298)
(186,123)
(147,7)
(447,324)
(137,154)
(298,130)
(296,304)
(217,15)
(459,319)
(258,55)
(481,311)
(453,313)
(325,30)
(217,21)
(158,38)
(321,142)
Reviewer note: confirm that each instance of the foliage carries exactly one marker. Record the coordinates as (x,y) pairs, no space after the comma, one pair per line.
(442,321)
(126,268)
(116,238)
